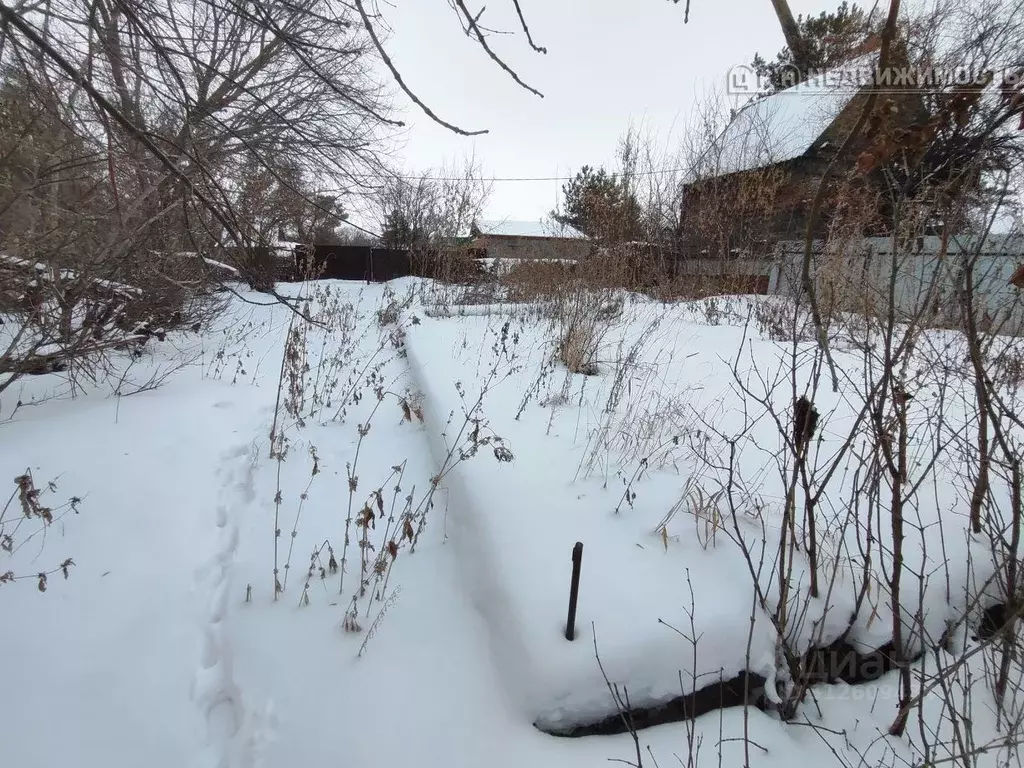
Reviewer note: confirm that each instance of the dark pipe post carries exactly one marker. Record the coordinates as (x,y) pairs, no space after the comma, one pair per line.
(574,590)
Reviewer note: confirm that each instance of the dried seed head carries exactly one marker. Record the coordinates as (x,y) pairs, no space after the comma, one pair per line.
(503,454)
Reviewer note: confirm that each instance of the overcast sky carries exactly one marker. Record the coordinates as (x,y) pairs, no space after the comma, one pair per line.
(609,62)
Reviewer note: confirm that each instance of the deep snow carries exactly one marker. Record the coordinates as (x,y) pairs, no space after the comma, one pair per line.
(151,654)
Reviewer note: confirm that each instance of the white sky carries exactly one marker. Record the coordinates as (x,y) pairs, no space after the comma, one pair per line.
(609,62)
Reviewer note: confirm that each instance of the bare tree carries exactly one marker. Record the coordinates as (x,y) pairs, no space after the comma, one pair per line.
(192,97)
(77,276)
(188,128)
(432,213)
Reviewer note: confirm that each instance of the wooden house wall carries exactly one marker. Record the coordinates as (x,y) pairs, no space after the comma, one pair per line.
(512,247)
(794,195)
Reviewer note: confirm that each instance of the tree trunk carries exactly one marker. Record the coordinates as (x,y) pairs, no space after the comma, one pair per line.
(792,33)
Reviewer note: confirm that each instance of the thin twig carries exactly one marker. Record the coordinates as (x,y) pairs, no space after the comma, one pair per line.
(526,29)
(375,39)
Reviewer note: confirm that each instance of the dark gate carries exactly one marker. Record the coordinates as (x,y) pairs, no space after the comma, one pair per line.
(351,262)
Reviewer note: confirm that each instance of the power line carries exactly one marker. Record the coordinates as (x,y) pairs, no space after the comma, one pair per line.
(482,179)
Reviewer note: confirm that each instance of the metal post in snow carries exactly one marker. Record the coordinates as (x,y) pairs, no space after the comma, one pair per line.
(574,590)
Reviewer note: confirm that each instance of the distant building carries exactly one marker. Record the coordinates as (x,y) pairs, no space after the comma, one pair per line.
(529,240)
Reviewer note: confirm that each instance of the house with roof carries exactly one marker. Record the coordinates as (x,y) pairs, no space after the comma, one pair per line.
(755,183)
(745,213)
(545,240)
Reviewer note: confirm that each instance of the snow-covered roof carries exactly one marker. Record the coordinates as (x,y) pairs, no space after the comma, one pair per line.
(543,228)
(784,125)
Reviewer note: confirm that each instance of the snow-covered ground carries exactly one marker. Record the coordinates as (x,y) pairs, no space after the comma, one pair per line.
(461,465)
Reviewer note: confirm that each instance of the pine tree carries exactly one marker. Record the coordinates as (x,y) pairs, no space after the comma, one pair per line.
(399,232)
(828,39)
(598,204)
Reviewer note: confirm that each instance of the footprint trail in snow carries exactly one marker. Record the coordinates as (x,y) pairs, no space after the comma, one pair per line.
(234,737)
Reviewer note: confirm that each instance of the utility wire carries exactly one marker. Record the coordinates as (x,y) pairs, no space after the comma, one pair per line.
(486,179)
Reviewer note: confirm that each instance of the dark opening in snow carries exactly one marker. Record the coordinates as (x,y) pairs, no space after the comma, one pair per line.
(838,662)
